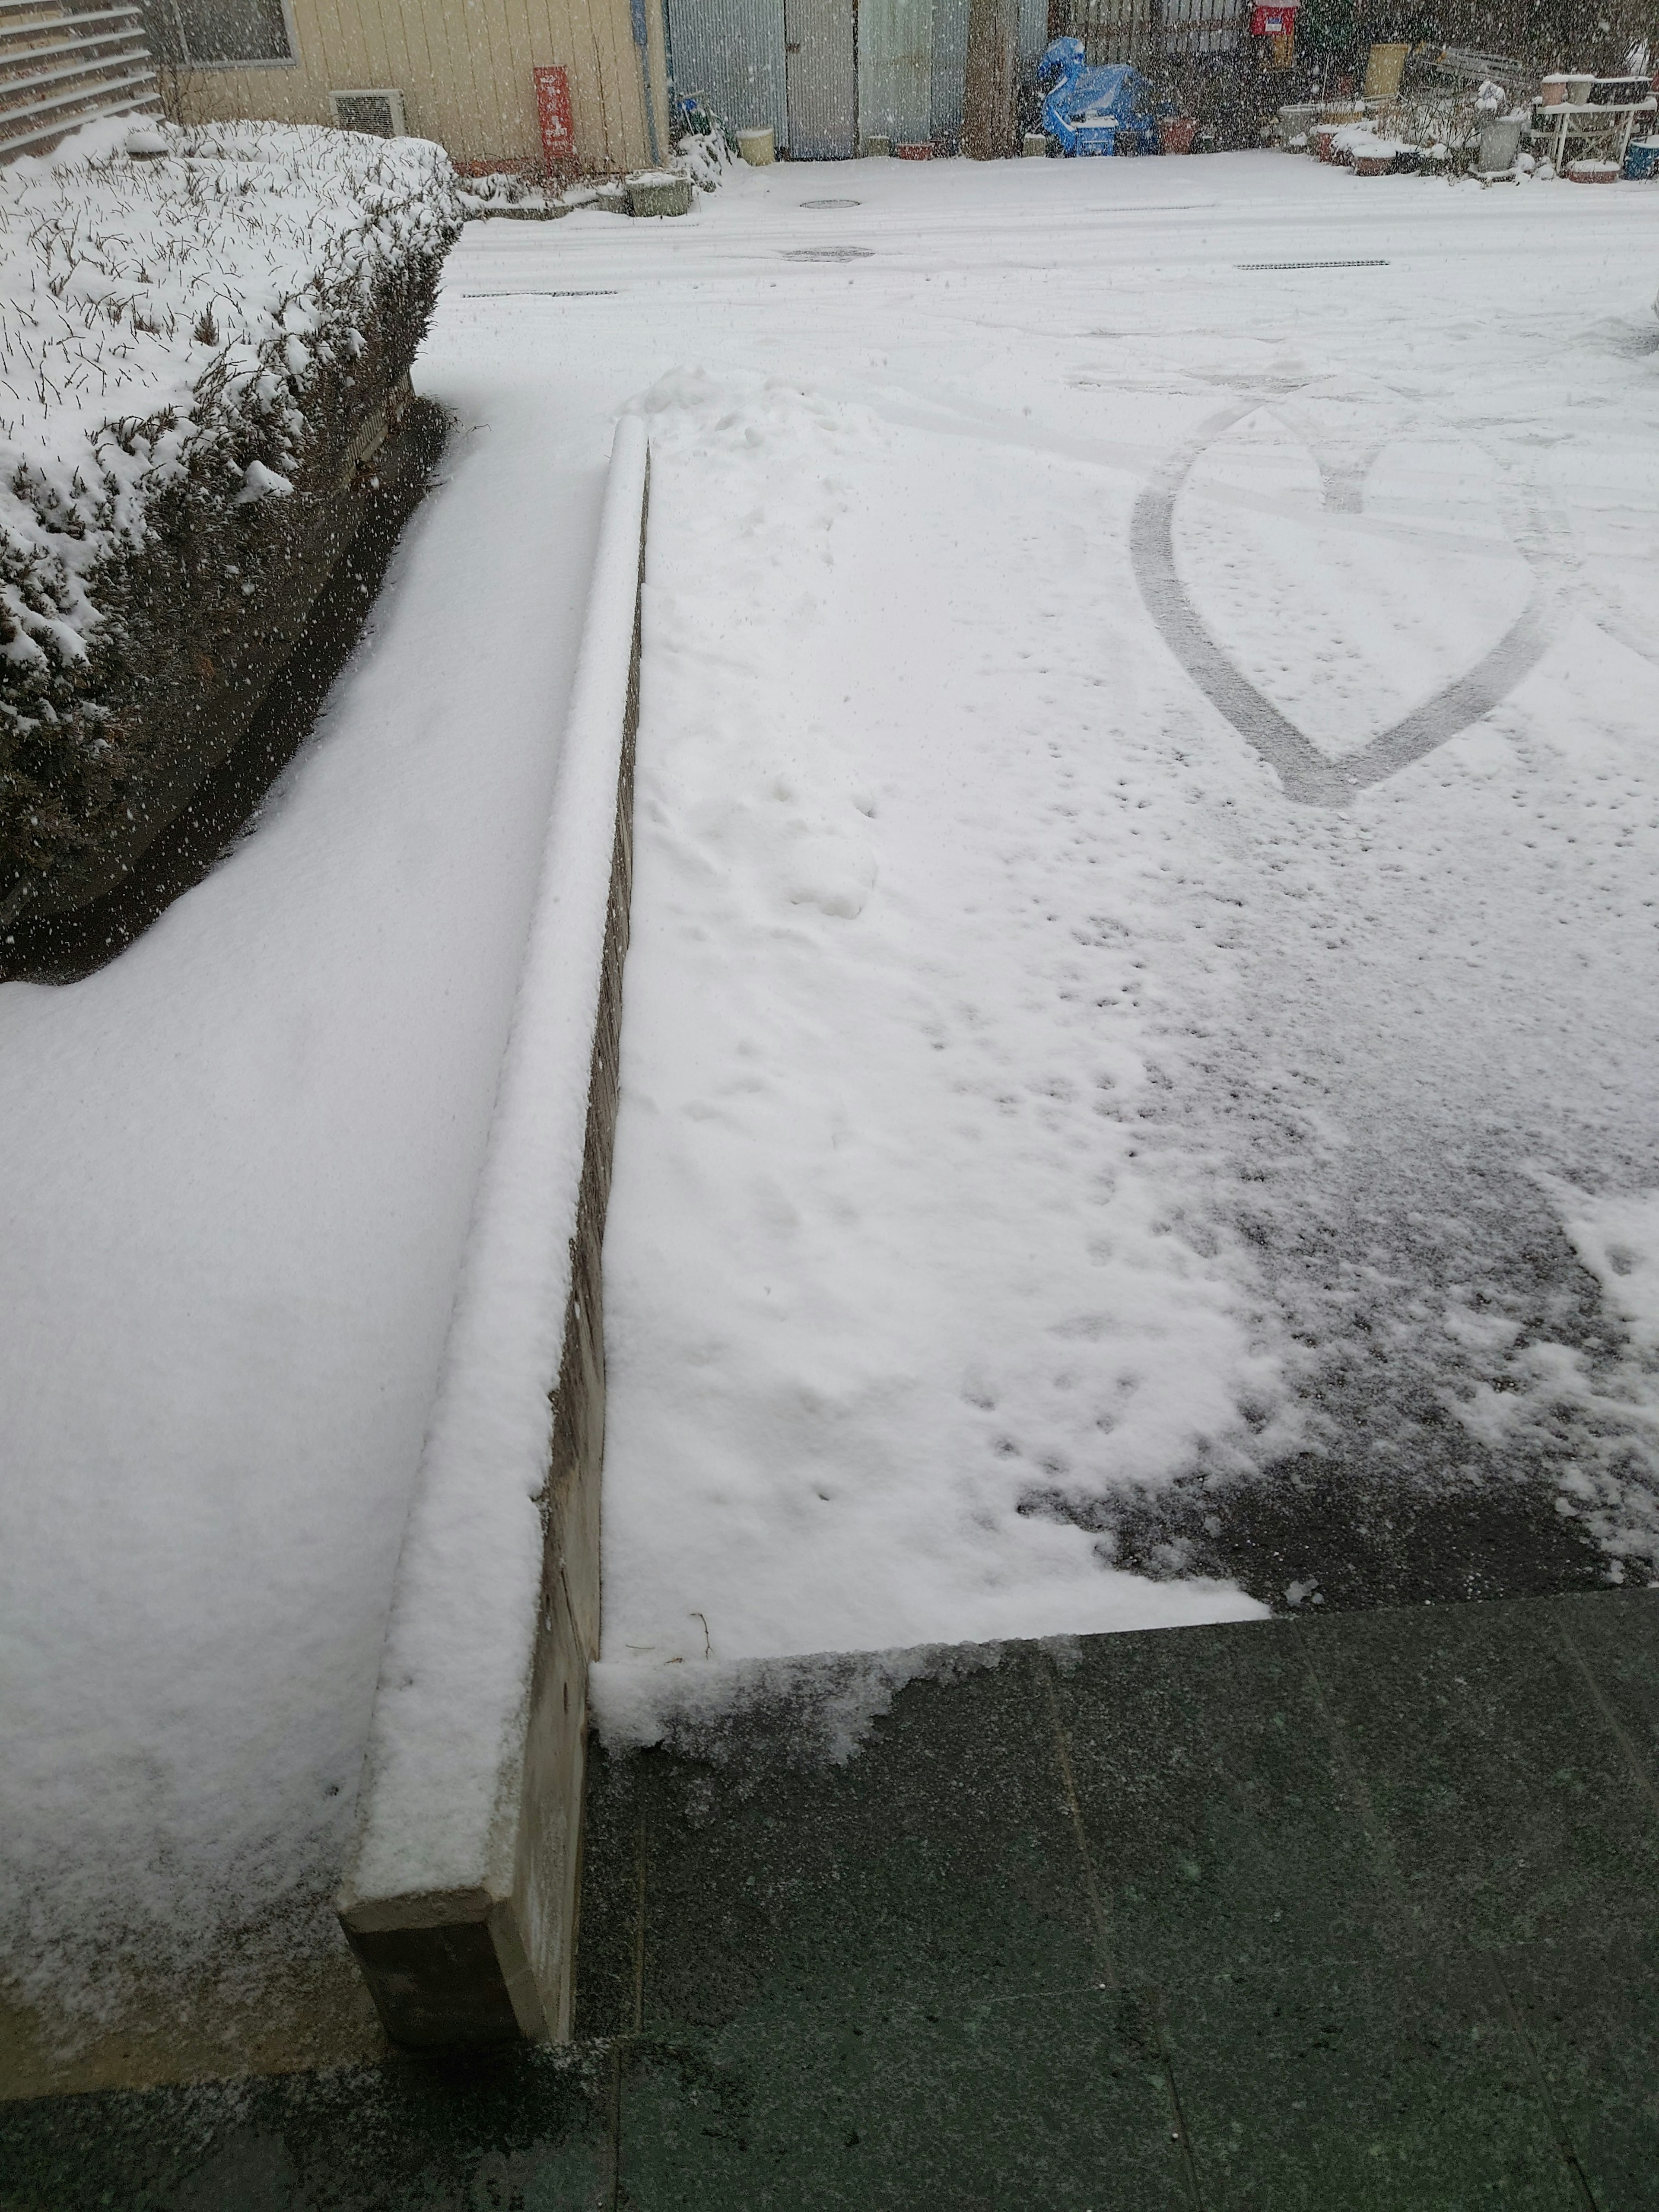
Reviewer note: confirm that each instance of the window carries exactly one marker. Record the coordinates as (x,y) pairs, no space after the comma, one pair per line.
(219,34)
(379,113)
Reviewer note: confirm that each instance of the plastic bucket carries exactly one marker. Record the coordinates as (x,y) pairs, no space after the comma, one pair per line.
(1175,134)
(1643,159)
(1578,90)
(1500,141)
(756,148)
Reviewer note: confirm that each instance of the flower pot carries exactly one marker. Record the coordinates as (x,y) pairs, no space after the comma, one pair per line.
(1593,172)
(1578,90)
(1175,134)
(756,148)
(1380,164)
(1324,140)
(1643,159)
(1553,91)
(919,149)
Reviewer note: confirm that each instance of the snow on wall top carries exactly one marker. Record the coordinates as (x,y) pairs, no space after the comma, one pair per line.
(438,1808)
(156,283)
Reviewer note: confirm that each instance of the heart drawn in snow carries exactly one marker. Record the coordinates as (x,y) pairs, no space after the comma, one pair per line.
(1309,774)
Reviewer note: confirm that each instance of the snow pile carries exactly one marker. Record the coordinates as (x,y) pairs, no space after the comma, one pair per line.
(503,192)
(184,337)
(816,1710)
(705,157)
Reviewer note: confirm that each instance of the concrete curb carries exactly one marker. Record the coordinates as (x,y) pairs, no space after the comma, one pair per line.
(459,1895)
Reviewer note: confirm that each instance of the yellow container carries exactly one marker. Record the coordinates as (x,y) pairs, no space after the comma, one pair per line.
(755,148)
(1384,67)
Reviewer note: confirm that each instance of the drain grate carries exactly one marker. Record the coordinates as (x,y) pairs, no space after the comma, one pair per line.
(832,202)
(1310,265)
(830,253)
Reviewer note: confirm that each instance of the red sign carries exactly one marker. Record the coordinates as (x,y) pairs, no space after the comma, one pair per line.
(1273,22)
(558,123)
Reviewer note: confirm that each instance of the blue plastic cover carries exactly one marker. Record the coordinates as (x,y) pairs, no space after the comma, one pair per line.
(1089,110)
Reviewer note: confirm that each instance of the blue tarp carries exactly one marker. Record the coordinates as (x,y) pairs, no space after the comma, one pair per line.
(1090,111)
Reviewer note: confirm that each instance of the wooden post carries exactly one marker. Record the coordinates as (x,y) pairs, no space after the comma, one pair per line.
(988,116)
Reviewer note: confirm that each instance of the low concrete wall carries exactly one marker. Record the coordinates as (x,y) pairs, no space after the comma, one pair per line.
(459,1899)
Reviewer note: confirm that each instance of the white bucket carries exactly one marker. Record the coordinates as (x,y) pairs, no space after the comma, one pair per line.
(757,149)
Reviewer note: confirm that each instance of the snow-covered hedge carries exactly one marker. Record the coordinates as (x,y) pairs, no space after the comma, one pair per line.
(204,334)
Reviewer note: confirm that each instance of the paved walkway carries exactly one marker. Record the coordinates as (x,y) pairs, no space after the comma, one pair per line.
(1344,1913)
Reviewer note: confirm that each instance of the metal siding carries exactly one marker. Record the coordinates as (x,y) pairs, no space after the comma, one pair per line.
(823,80)
(949,69)
(1033,34)
(730,54)
(895,63)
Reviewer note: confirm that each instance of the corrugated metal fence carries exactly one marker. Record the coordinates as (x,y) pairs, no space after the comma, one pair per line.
(60,67)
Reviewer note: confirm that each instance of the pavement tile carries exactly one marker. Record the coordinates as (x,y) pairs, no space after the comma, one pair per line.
(939,1858)
(1511,1809)
(1220,1819)
(1588,2012)
(1394,2087)
(1047,2104)
(519,2128)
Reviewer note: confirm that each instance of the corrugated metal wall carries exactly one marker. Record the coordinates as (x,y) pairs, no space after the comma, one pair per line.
(895,66)
(823,79)
(950,67)
(730,54)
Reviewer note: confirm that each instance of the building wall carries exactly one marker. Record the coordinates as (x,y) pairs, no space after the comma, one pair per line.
(464,68)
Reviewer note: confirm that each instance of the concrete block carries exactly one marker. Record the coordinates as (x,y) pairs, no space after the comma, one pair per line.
(661,196)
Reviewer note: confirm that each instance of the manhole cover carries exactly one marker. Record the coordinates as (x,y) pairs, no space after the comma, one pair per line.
(830,253)
(832,202)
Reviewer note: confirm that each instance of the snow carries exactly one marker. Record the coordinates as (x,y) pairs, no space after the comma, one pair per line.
(448,1740)
(240,1165)
(1026,1108)
(153,311)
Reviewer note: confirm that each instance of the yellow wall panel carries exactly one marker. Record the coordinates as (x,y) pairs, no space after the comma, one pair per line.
(464,67)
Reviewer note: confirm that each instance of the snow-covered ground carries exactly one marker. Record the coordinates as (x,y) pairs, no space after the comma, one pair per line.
(1040,1134)
(238,1169)
(1048,1145)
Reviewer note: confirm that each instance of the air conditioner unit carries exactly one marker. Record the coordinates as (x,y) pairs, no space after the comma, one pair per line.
(378,112)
